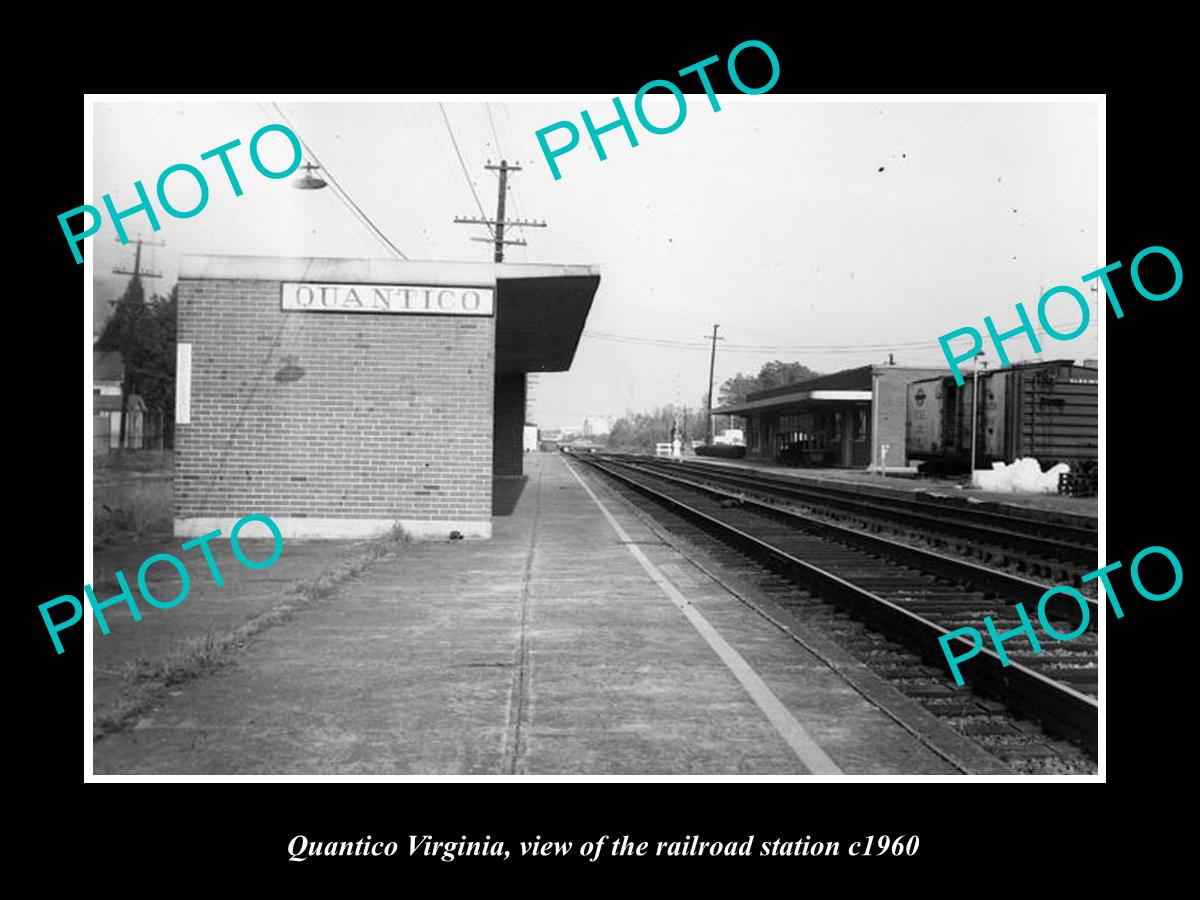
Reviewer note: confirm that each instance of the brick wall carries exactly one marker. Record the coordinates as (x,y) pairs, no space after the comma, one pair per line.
(332,415)
(509,434)
(893,408)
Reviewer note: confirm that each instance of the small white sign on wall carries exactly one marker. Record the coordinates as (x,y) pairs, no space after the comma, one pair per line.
(183,384)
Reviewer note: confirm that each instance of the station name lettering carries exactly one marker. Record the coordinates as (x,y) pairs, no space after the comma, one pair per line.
(387,298)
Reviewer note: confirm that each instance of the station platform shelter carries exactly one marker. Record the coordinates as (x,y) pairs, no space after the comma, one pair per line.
(840,420)
(344,397)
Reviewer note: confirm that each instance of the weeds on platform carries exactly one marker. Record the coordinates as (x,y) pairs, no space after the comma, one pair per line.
(398,535)
(146,680)
(132,494)
(138,508)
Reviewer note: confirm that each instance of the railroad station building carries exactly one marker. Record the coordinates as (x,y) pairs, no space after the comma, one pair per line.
(838,420)
(341,397)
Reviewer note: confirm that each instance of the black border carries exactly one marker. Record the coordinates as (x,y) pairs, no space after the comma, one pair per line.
(975,833)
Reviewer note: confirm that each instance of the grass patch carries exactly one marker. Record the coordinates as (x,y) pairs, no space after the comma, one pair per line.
(146,680)
(139,508)
(117,461)
(132,495)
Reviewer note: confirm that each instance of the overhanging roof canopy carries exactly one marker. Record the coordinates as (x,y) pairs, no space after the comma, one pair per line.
(794,399)
(847,385)
(540,309)
(539,319)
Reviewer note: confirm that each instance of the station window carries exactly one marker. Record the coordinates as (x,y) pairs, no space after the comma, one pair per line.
(795,428)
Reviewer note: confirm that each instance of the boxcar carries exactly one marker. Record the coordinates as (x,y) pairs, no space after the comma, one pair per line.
(1045,410)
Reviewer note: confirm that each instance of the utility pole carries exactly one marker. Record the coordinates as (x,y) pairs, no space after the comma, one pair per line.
(975,408)
(712,365)
(138,272)
(127,379)
(500,223)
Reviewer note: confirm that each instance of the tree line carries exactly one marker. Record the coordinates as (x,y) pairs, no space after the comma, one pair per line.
(771,375)
(144,334)
(639,432)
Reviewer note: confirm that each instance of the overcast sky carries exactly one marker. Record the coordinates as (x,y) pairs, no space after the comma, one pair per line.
(770,217)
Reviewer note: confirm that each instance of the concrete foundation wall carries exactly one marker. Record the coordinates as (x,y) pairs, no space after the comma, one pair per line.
(327,416)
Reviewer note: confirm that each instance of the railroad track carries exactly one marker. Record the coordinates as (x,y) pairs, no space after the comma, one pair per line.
(1057,551)
(908,594)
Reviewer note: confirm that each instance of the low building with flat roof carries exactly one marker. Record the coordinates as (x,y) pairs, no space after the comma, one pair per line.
(842,419)
(341,397)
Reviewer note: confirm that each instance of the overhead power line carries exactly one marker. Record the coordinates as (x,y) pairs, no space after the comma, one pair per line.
(500,221)
(492,122)
(466,174)
(873,347)
(500,150)
(339,191)
(697,345)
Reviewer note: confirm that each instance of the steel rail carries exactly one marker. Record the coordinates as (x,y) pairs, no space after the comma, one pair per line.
(1004,529)
(1059,708)
(983,578)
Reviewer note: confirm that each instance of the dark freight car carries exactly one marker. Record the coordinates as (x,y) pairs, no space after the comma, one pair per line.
(1045,410)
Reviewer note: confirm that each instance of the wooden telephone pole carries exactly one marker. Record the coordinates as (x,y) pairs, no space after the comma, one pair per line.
(138,272)
(127,380)
(497,226)
(500,223)
(712,365)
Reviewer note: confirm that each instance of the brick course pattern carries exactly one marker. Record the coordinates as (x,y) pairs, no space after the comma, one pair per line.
(330,414)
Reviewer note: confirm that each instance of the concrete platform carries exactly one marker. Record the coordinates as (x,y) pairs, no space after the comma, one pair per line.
(573,642)
(869,482)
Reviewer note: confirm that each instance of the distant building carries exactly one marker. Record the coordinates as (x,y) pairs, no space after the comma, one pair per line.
(108,376)
(108,372)
(841,420)
(732,436)
(593,425)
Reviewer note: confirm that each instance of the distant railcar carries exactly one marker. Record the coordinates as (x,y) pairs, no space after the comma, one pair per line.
(1045,410)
